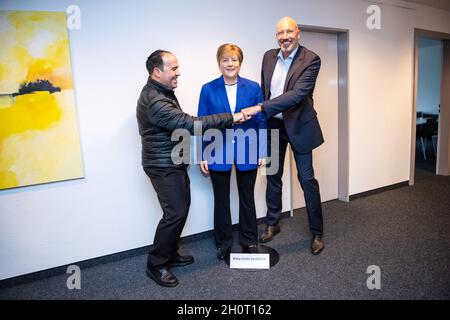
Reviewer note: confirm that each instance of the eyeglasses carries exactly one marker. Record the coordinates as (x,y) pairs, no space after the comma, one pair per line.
(289,32)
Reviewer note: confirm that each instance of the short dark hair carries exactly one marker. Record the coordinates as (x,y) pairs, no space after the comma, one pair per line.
(155,60)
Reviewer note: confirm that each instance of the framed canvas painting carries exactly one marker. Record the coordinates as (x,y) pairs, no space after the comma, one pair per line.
(39,137)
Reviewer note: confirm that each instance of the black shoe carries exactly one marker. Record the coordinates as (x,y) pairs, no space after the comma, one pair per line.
(163,277)
(317,244)
(178,260)
(253,248)
(270,232)
(222,253)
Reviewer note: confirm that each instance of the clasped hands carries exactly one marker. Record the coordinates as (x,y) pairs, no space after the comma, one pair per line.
(246,114)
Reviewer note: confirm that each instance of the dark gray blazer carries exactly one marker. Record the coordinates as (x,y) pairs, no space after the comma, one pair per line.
(296,103)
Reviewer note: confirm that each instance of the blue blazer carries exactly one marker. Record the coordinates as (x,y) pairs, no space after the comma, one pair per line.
(246,145)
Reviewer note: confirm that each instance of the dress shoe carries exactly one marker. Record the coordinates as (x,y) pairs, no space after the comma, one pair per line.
(253,248)
(178,260)
(222,253)
(317,244)
(270,232)
(162,276)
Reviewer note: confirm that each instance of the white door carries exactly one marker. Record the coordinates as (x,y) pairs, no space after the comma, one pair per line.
(325,158)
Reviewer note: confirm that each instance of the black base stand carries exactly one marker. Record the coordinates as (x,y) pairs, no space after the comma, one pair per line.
(273,255)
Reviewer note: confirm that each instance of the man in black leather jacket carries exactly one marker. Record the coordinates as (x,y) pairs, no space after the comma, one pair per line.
(159,114)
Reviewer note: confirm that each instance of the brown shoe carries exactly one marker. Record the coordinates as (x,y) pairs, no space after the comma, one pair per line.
(317,244)
(270,232)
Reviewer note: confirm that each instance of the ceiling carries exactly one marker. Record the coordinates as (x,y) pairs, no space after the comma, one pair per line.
(440,4)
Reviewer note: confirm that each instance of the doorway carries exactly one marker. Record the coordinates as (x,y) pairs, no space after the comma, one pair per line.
(431,104)
(429,75)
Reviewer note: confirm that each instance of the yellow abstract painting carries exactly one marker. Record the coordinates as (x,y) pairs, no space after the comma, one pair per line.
(39,137)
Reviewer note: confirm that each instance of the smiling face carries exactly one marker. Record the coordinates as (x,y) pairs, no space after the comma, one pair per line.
(229,58)
(230,66)
(170,73)
(288,35)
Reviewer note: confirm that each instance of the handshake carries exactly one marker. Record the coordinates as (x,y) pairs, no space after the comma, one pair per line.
(246,114)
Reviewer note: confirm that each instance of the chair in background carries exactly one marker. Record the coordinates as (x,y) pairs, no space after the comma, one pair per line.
(434,138)
(425,132)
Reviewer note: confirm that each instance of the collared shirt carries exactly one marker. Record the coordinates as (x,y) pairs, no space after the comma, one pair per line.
(279,76)
(232,95)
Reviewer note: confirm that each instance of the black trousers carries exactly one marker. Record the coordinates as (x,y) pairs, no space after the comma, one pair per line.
(172,185)
(248,229)
(305,175)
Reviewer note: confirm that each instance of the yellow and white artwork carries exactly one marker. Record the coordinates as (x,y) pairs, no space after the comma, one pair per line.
(39,138)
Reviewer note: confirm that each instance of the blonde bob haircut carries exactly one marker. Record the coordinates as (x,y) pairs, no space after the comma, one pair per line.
(229,48)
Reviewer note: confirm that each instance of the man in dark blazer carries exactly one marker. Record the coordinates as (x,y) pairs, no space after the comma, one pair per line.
(288,78)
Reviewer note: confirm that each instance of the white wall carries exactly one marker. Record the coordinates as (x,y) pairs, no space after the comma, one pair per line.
(115,208)
(429,75)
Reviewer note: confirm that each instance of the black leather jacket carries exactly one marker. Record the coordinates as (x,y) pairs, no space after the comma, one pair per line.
(159,114)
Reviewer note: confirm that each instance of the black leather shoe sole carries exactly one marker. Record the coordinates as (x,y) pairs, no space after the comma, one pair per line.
(161,283)
(180,263)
